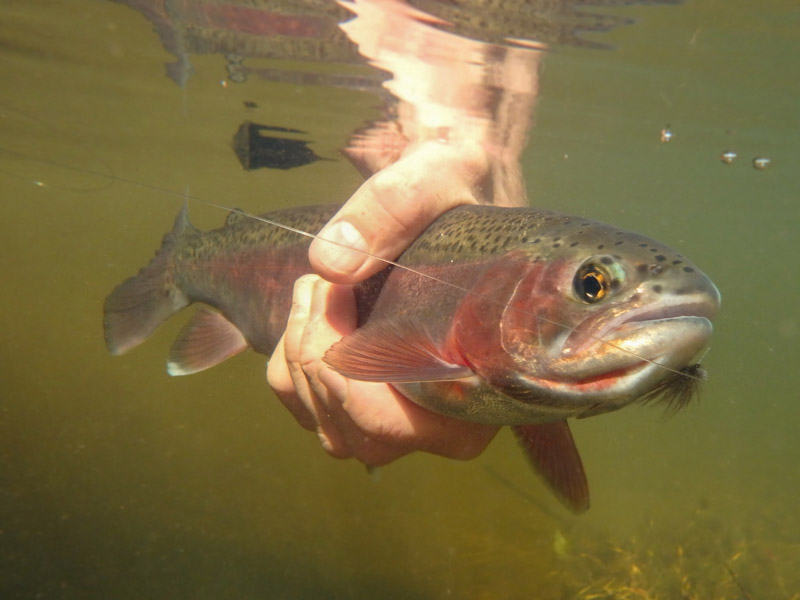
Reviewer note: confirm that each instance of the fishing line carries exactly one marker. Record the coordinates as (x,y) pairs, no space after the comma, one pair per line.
(535,315)
(146,186)
(53,134)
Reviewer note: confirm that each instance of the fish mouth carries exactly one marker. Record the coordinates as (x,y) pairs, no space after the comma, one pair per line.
(691,309)
(596,393)
(596,380)
(612,376)
(614,359)
(634,322)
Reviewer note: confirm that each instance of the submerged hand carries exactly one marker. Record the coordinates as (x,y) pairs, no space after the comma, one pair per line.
(372,421)
(454,136)
(369,421)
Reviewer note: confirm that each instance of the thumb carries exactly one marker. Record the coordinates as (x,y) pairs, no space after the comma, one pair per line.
(394,206)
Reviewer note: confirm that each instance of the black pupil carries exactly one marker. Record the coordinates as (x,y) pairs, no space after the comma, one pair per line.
(592,286)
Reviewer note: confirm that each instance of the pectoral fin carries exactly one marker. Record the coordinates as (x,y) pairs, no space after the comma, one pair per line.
(207,340)
(392,351)
(553,455)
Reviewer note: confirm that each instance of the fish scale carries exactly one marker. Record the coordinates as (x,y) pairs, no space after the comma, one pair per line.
(469,235)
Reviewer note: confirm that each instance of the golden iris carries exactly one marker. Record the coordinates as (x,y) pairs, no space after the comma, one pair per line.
(591,284)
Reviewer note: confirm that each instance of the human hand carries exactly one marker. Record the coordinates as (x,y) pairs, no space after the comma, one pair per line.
(456,137)
(395,205)
(371,422)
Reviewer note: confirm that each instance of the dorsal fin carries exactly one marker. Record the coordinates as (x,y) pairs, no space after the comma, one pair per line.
(237,215)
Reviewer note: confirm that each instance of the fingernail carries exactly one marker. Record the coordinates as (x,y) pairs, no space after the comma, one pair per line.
(345,253)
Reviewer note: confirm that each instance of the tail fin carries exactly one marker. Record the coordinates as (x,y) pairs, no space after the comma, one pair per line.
(137,306)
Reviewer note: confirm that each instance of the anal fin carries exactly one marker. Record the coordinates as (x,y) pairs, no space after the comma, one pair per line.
(554,456)
(207,340)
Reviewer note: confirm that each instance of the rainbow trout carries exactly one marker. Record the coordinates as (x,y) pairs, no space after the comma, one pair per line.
(504,316)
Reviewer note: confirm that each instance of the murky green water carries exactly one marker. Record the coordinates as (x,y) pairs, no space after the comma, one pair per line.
(120,482)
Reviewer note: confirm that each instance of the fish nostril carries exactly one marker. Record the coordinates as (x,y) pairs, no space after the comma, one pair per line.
(656,269)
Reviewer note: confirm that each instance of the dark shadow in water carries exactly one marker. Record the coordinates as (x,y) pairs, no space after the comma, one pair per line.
(256,150)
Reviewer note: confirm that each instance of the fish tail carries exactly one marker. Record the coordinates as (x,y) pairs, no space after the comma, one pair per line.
(137,306)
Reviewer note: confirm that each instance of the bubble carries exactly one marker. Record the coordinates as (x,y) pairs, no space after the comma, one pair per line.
(761,162)
(728,157)
(666,135)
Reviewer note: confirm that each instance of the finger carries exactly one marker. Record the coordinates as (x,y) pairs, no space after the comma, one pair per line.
(281,382)
(332,315)
(369,421)
(329,313)
(358,437)
(288,377)
(394,206)
(293,337)
(374,421)
(384,415)
(308,336)
(283,373)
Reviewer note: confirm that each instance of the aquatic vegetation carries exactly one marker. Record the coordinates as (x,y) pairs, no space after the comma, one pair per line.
(698,558)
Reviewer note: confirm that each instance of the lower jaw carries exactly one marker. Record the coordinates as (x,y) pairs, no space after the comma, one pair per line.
(618,384)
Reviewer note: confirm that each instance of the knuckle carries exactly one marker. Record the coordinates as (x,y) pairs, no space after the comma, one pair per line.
(466,450)
(336,450)
(373,453)
(278,377)
(306,281)
(277,383)
(386,183)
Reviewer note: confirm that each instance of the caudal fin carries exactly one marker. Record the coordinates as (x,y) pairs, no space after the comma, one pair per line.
(137,306)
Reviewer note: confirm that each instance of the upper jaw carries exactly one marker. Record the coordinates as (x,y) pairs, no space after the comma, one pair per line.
(599,330)
(668,310)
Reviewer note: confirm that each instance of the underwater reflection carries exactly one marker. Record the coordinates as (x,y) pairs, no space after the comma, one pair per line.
(308,30)
(463,73)
(467,94)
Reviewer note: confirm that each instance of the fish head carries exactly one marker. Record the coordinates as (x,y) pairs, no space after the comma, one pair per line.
(595,319)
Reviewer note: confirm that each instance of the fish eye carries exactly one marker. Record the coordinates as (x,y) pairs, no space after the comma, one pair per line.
(591,283)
